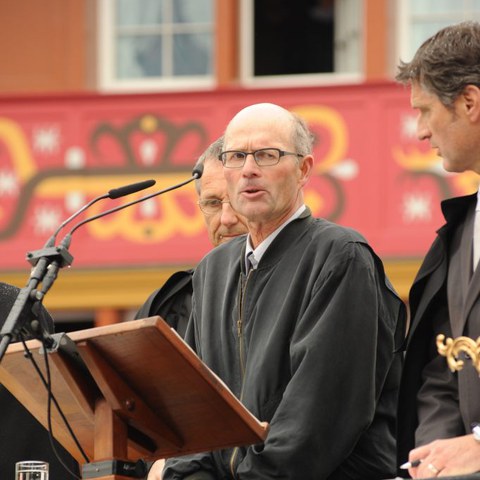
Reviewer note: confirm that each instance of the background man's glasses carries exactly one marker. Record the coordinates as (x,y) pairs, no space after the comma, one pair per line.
(264,157)
(211,206)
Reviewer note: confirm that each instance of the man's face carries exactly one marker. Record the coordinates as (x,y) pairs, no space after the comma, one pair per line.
(226,223)
(267,195)
(448,130)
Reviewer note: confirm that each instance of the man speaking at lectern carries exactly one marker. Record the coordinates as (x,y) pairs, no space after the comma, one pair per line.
(298,319)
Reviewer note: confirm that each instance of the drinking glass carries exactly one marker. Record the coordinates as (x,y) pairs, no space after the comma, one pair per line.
(31,470)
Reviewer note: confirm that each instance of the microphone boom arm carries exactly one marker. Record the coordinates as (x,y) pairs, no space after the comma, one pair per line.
(46,263)
(67,239)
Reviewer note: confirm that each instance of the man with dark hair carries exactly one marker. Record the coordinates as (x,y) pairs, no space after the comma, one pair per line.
(297,318)
(437,408)
(22,437)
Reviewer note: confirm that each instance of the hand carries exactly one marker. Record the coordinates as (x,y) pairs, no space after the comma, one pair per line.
(155,472)
(441,458)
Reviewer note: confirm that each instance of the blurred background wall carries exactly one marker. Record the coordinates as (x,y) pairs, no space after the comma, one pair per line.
(96,94)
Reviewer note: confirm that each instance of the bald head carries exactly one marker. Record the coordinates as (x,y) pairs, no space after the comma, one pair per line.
(265,116)
(265,112)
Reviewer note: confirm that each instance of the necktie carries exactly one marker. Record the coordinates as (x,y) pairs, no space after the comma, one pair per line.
(476,238)
(251,262)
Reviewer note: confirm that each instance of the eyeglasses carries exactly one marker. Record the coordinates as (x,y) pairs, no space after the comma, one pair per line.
(211,206)
(264,157)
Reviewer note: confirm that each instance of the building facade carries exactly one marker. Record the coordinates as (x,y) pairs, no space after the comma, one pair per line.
(95,94)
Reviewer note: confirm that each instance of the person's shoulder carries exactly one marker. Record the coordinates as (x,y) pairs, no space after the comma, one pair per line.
(338,243)
(232,247)
(328,230)
(224,254)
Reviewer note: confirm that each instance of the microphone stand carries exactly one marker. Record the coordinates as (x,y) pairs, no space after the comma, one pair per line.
(25,314)
(48,261)
(46,264)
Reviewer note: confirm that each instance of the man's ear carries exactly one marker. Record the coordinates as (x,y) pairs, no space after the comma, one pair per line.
(306,166)
(471,99)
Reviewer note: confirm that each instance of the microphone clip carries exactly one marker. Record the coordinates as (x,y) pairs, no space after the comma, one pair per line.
(58,253)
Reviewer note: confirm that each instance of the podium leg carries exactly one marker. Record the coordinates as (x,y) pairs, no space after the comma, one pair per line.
(110,439)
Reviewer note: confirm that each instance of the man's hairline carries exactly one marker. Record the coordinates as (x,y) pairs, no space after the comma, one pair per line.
(417,81)
(198,182)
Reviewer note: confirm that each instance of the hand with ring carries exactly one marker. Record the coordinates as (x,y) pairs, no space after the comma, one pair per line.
(433,469)
(446,457)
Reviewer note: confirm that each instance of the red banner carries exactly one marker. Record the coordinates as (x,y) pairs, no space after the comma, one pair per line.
(57,153)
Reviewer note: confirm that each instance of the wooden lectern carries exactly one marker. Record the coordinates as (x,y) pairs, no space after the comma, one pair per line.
(130,390)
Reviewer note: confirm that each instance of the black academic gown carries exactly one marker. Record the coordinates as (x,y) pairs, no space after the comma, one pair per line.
(172,302)
(22,437)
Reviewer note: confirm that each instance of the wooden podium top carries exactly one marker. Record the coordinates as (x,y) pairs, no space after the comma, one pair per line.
(172,404)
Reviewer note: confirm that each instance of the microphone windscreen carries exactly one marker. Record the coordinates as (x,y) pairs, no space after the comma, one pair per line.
(129,189)
(8,296)
(197,171)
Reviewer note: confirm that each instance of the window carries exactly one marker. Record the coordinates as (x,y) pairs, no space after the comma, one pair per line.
(156,43)
(420,19)
(300,39)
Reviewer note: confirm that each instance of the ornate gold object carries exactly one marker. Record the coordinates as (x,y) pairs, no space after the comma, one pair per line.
(451,348)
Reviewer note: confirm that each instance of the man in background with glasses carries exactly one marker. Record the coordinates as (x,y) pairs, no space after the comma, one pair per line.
(297,318)
(173,301)
(222,222)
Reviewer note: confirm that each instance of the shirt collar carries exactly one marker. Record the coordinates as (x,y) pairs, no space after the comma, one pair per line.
(262,247)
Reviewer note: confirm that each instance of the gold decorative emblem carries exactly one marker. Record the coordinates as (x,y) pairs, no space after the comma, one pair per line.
(451,349)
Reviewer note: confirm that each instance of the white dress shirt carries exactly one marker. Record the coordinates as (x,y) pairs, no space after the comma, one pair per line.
(253,257)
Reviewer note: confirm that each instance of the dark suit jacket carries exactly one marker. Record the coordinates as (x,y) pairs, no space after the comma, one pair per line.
(22,437)
(448,402)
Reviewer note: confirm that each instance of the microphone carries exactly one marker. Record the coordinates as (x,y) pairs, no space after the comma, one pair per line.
(60,256)
(197,172)
(46,263)
(113,194)
(129,189)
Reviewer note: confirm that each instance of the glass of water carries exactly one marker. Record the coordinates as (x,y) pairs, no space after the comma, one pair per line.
(31,470)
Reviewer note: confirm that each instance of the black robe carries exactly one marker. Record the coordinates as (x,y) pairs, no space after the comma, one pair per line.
(308,341)
(22,437)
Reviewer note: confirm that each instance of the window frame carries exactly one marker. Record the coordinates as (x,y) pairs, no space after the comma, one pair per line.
(106,54)
(248,79)
(402,28)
